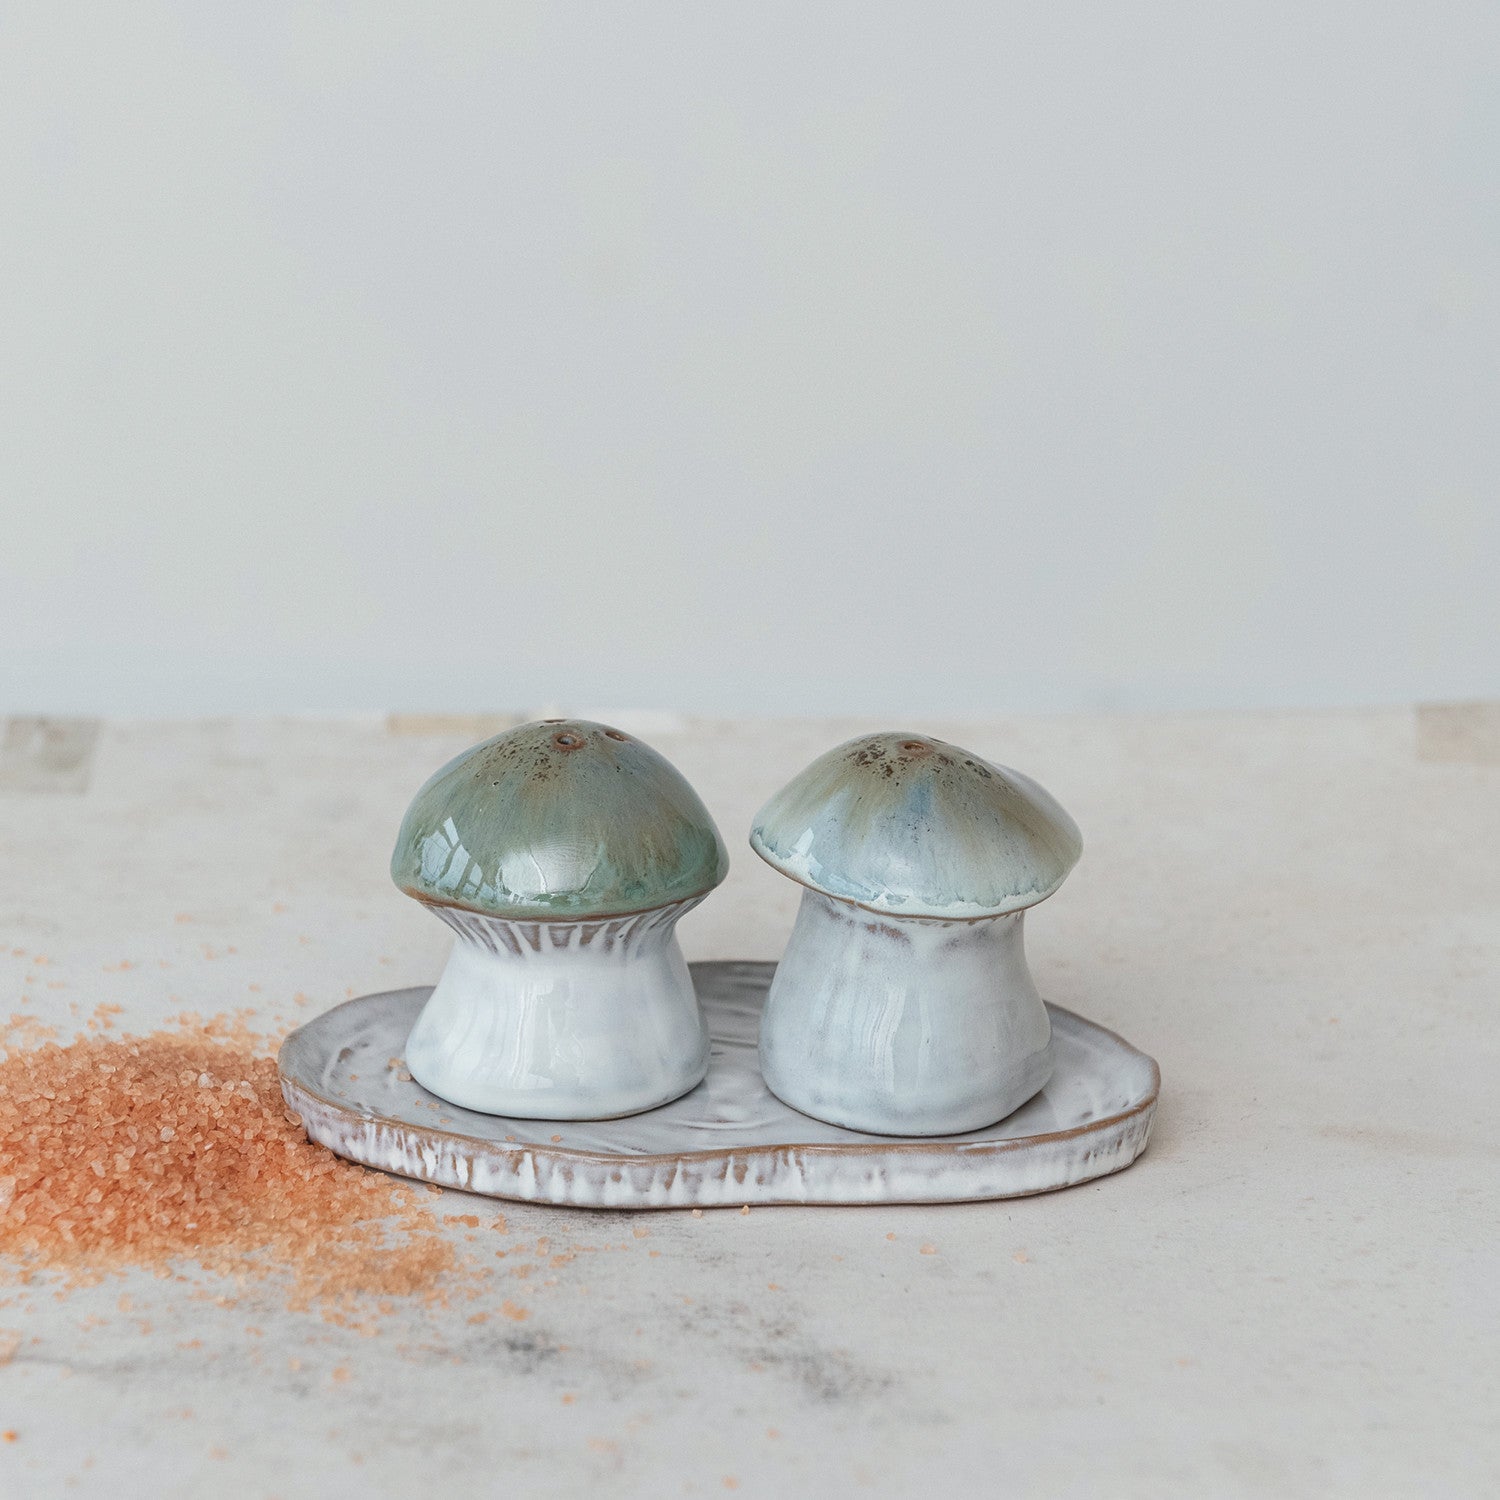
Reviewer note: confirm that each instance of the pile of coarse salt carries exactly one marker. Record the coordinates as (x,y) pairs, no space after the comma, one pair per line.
(176,1148)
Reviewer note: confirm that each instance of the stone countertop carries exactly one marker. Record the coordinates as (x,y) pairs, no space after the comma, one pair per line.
(1295,1292)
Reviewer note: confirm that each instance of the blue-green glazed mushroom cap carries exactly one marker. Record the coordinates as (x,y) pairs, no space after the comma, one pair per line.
(911,826)
(563,820)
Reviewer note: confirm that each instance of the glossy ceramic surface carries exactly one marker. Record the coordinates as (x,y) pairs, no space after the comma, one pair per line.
(558,820)
(903,1003)
(907,824)
(562,854)
(729,1141)
(904,1026)
(561,1020)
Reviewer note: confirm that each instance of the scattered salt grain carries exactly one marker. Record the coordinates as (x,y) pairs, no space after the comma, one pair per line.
(176,1147)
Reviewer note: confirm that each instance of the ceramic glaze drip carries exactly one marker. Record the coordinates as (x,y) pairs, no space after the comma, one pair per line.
(904,1026)
(912,825)
(561,1020)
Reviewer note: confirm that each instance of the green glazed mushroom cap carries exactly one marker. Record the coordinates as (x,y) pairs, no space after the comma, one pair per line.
(911,826)
(563,820)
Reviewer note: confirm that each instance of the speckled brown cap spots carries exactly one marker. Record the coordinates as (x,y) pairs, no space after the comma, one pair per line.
(908,824)
(561,819)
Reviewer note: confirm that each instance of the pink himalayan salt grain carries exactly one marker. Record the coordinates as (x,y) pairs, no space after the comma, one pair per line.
(142,1151)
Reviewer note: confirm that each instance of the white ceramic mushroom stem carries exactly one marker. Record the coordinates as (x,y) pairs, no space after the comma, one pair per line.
(561,1020)
(904,1025)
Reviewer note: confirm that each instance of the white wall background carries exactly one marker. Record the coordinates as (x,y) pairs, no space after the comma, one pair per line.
(890,358)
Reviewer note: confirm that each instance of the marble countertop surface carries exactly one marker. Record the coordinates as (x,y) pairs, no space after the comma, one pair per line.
(1295,1292)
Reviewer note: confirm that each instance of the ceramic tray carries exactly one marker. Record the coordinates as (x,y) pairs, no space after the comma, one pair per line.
(727,1143)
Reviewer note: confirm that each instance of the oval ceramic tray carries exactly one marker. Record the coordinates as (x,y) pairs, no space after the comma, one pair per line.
(729,1142)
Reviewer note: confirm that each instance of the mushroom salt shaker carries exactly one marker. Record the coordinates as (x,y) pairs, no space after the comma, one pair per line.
(903,1004)
(562,855)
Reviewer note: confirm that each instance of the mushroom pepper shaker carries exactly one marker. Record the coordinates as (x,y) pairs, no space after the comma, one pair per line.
(903,1004)
(561,854)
